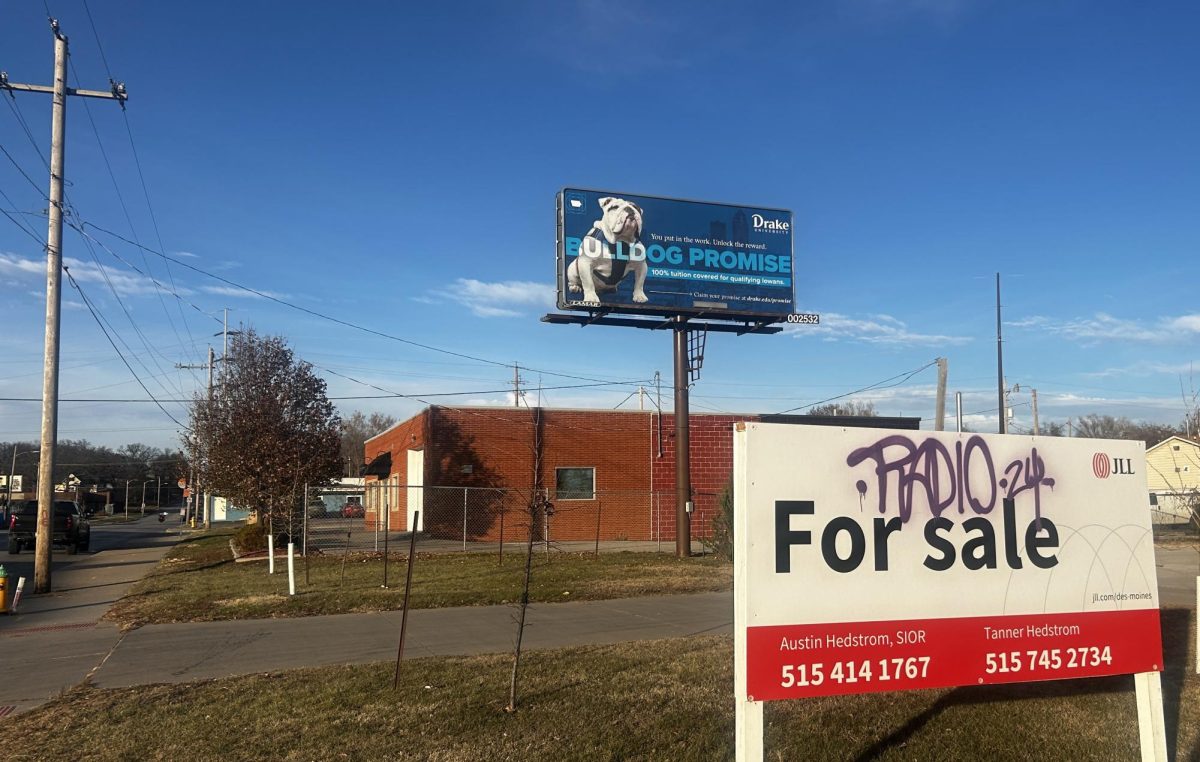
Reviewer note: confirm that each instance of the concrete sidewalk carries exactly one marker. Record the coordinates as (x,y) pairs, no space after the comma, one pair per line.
(55,640)
(180,652)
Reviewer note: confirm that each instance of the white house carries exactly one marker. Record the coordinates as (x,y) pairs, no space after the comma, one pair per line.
(1173,477)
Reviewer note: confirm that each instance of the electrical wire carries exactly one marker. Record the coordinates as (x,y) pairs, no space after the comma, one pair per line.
(330,318)
(121,198)
(24,174)
(100,323)
(878,385)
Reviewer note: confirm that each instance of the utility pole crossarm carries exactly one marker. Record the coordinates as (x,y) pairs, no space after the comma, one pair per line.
(116,93)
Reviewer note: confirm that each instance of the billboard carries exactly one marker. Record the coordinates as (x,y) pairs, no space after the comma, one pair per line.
(622,252)
(870,560)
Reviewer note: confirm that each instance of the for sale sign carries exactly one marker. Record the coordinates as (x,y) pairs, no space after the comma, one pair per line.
(871,560)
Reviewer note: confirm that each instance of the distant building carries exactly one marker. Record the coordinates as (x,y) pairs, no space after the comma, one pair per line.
(607,473)
(1173,478)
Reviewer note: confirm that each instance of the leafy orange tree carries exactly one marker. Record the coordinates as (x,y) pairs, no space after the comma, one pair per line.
(266,430)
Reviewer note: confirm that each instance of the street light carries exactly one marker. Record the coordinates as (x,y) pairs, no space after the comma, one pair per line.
(12,472)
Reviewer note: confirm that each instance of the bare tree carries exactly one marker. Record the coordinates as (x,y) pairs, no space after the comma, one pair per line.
(356,430)
(846,407)
(268,429)
(1109,427)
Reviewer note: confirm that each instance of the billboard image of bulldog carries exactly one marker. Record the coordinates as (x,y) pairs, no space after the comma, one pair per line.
(620,252)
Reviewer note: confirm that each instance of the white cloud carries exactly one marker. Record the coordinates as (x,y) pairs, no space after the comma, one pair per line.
(510,298)
(123,282)
(1148,369)
(185,255)
(872,329)
(1105,327)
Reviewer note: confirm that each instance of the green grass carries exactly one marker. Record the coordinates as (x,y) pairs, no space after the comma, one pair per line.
(198,581)
(669,699)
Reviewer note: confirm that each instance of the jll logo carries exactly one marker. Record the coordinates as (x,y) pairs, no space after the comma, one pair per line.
(1103,466)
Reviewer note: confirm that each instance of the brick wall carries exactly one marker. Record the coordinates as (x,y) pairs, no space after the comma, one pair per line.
(482,449)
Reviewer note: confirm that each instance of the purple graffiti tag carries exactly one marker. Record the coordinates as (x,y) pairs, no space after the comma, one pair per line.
(928,465)
(974,444)
(1028,474)
(945,476)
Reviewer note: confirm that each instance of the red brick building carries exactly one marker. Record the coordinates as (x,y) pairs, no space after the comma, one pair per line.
(608,473)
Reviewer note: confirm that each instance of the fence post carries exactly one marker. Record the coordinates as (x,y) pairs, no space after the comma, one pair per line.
(344,557)
(597,528)
(464,519)
(304,535)
(412,557)
(501,534)
(387,525)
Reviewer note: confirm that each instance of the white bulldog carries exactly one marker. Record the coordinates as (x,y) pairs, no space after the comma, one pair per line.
(611,250)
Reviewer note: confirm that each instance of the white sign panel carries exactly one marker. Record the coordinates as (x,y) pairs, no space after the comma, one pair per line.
(873,560)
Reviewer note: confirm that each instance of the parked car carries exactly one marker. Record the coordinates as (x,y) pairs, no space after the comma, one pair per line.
(353,511)
(69,526)
(316,510)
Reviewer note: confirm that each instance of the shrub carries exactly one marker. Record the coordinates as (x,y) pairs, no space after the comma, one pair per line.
(251,537)
(722,524)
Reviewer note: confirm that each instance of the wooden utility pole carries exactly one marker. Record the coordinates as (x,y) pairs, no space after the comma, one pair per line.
(198,495)
(1035,417)
(58,135)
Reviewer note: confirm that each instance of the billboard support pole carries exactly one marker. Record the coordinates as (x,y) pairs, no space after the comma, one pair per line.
(683,460)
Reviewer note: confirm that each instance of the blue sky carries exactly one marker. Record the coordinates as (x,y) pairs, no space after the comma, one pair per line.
(395,165)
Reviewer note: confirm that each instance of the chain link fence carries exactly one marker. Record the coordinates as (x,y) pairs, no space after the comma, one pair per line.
(378,517)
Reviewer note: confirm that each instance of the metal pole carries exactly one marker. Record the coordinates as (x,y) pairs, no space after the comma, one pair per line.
(464,519)
(412,557)
(158,495)
(1000,363)
(387,525)
(41,572)
(958,409)
(127,481)
(1035,414)
(939,421)
(683,476)
(11,475)
(144,483)
(207,502)
(502,535)
(304,537)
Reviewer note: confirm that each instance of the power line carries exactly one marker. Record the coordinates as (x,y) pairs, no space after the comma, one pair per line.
(100,323)
(120,197)
(79,229)
(877,385)
(129,316)
(15,108)
(24,174)
(330,318)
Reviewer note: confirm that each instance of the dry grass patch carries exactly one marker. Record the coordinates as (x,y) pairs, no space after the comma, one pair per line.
(198,581)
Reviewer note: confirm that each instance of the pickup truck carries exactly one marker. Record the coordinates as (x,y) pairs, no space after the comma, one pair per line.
(69,526)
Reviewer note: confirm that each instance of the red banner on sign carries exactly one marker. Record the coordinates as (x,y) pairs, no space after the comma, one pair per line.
(797,661)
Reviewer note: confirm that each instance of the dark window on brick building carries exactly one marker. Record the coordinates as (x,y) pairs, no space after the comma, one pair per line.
(575,483)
